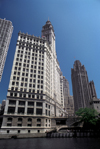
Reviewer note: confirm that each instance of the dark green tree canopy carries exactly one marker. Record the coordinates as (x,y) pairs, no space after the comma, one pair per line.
(87,115)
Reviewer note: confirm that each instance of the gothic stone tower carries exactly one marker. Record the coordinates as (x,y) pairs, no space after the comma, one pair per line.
(80,85)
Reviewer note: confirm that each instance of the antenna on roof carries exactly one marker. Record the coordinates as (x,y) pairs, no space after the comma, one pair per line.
(48,18)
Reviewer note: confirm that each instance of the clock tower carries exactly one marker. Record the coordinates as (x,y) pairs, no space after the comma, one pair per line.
(48,32)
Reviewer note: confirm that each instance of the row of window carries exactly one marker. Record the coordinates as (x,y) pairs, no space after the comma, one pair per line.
(30,45)
(30,85)
(31,39)
(11,110)
(29,53)
(10,119)
(30,103)
(35,42)
(24,65)
(26,95)
(9,124)
(27,90)
(33,58)
(32,50)
(29,131)
(21,119)
(31,66)
(27,74)
(29,48)
(27,70)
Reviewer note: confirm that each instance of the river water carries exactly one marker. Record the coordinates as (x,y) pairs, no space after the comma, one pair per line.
(51,143)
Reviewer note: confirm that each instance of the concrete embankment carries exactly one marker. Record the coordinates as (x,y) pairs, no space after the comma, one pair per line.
(73,134)
(51,135)
(33,135)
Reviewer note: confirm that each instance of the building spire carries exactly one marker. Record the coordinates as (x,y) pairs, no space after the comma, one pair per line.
(48,18)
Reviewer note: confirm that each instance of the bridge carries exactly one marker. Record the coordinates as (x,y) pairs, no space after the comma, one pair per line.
(61,127)
(65,123)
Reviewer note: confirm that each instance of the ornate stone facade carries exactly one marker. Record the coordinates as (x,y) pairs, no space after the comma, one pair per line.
(34,95)
(80,85)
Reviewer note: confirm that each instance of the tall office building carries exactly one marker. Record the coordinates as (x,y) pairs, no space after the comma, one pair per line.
(34,95)
(80,85)
(66,99)
(6,29)
(64,85)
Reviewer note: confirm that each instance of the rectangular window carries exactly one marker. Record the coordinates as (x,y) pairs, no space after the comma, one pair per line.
(39,104)
(30,75)
(30,103)
(21,102)
(49,113)
(17,78)
(11,110)
(21,84)
(46,112)
(29,96)
(25,84)
(26,79)
(29,90)
(21,110)
(26,74)
(38,111)
(30,85)
(30,111)
(12,102)
(18,73)
(33,96)
(39,125)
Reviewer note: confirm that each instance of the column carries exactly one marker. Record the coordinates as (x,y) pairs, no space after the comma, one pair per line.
(34,107)
(25,108)
(43,112)
(6,106)
(16,108)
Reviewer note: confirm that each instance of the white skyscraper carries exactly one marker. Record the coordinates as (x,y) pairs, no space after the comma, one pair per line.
(6,29)
(34,95)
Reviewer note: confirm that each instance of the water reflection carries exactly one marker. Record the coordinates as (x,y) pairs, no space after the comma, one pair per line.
(51,143)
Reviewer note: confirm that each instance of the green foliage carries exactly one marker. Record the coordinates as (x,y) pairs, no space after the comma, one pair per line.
(87,115)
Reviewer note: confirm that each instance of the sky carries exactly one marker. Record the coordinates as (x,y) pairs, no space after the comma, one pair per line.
(77,29)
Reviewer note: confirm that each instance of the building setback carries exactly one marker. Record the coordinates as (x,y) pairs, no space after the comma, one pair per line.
(6,29)
(80,85)
(34,95)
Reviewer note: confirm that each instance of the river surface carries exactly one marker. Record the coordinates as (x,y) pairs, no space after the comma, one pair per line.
(51,143)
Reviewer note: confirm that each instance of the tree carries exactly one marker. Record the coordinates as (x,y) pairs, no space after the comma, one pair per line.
(88,116)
